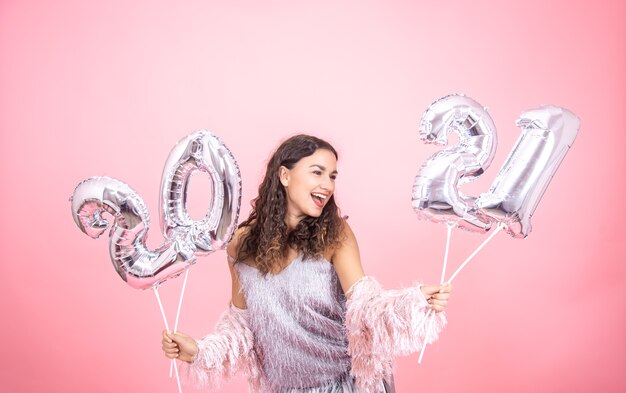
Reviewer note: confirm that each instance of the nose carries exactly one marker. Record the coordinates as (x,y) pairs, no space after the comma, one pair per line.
(328,184)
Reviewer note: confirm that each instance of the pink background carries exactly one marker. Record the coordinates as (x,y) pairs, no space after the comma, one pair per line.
(108,87)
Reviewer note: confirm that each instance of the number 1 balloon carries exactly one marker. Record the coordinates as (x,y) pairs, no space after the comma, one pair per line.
(98,200)
(547,134)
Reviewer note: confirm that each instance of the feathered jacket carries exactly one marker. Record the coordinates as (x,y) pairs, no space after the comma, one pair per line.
(380,324)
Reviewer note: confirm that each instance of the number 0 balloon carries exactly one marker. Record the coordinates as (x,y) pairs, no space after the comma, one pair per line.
(206,153)
(102,202)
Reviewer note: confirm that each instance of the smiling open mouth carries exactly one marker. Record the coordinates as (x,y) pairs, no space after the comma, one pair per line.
(318,198)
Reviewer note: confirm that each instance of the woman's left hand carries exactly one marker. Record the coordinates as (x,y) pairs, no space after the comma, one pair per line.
(437,295)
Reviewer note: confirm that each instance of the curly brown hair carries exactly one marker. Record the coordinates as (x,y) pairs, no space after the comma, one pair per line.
(267,238)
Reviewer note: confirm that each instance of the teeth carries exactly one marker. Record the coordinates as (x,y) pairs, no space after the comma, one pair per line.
(321,196)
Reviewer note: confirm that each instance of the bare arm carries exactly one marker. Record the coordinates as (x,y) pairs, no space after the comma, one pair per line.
(237,298)
(347,262)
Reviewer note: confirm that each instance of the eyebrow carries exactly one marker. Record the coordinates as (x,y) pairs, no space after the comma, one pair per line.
(323,168)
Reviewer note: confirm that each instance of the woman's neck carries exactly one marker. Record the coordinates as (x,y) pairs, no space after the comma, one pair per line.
(292,220)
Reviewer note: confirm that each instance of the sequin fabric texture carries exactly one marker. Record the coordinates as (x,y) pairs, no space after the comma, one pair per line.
(297,317)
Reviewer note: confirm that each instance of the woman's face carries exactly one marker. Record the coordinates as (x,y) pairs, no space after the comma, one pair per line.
(309,185)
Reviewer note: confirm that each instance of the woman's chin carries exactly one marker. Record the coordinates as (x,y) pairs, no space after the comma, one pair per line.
(314,213)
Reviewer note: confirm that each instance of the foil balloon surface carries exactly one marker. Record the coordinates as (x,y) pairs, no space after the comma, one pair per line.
(204,152)
(99,203)
(102,202)
(547,134)
(435,191)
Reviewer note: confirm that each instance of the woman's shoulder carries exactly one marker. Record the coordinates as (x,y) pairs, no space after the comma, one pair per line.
(232,250)
(346,235)
(346,239)
(235,242)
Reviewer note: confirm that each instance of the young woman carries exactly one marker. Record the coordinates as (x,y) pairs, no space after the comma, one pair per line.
(304,318)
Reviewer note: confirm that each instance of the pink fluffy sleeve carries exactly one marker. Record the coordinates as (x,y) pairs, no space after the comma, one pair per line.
(229,349)
(381,324)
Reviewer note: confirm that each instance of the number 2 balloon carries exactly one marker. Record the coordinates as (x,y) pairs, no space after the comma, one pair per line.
(102,202)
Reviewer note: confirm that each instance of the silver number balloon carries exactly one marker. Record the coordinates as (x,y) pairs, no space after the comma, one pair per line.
(435,191)
(97,198)
(204,152)
(547,134)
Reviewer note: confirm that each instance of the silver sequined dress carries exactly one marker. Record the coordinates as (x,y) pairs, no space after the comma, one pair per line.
(297,317)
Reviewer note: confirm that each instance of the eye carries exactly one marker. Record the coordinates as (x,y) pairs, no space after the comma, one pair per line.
(317,172)
(333,177)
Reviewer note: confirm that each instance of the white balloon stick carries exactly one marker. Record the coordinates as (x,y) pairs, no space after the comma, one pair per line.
(180,302)
(443,275)
(429,327)
(167,327)
(498,229)
(445,258)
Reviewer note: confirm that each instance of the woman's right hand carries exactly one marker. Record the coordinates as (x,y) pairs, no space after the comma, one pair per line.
(437,296)
(179,346)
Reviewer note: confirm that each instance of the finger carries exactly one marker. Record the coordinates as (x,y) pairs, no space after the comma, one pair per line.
(438,309)
(178,337)
(166,336)
(438,303)
(441,296)
(169,345)
(171,355)
(170,350)
(168,340)
(446,288)
(429,290)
